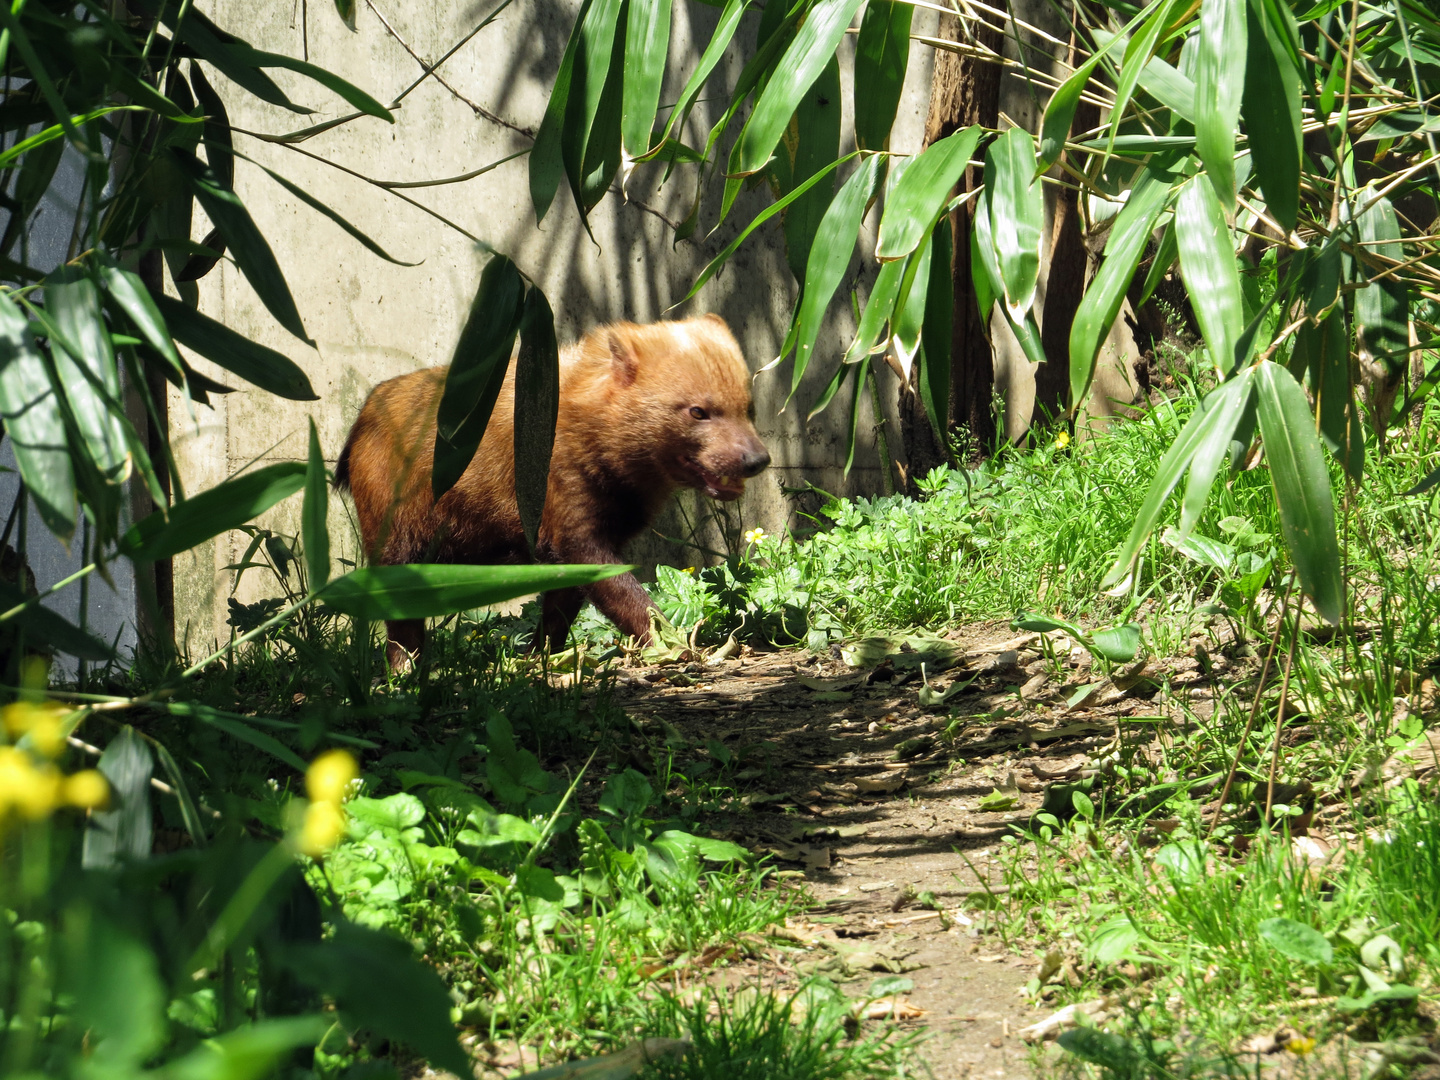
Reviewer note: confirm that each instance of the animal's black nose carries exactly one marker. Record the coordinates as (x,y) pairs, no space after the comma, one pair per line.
(755,462)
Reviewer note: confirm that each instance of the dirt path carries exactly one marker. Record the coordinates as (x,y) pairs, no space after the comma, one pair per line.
(842,774)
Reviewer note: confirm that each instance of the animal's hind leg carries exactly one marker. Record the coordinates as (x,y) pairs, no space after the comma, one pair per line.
(557,612)
(406,636)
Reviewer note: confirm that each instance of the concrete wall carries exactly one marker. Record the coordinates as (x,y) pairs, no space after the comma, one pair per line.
(372,320)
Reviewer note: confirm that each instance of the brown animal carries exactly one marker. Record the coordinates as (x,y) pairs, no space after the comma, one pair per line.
(643,410)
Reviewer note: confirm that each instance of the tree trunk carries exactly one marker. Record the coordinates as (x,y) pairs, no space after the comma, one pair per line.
(1065,284)
(963,91)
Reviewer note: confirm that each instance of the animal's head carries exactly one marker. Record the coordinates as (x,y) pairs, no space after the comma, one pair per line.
(687,385)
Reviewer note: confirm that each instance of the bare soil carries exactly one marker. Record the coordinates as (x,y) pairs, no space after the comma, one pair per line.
(841,774)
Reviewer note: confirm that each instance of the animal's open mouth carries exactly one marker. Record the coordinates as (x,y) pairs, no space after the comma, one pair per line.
(717,487)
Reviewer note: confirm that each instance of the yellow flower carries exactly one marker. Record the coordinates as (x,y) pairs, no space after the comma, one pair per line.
(1300,1045)
(31,789)
(89,790)
(43,721)
(323,826)
(755,535)
(329,775)
(1062,440)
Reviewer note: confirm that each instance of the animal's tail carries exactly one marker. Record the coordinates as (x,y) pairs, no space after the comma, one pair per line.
(342,463)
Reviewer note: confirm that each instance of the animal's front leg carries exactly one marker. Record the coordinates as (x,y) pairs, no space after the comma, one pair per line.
(623,601)
(558,609)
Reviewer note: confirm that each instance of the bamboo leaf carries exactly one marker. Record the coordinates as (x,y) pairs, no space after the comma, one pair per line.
(909,322)
(351,93)
(1207,260)
(1219,84)
(811,142)
(765,215)
(919,196)
(714,51)
(1382,308)
(224,507)
(1165,256)
(1223,411)
(429,590)
(31,411)
(827,395)
(1017,213)
(878,309)
(1322,352)
(247,244)
(133,298)
(857,394)
(315,204)
(85,364)
(1138,51)
(1100,306)
(815,43)
(219,141)
(1172,467)
(829,256)
(594,72)
(270,370)
(1271,107)
(46,628)
(1026,330)
(647,41)
(537,405)
(215,46)
(547,164)
(933,379)
(314,532)
(882,55)
(477,371)
(1302,487)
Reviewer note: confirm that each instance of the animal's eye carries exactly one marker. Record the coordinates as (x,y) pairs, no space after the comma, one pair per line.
(698,413)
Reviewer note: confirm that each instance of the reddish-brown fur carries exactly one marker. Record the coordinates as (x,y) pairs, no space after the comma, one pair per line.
(643,410)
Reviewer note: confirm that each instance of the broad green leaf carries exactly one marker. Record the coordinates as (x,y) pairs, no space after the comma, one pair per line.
(85,363)
(124,830)
(1165,256)
(210,513)
(982,278)
(830,256)
(373,977)
(882,54)
(247,244)
(118,995)
(647,41)
(1302,487)
(1100,306)
(1207,260)
(477,371)
(1322,354)
(933,379)
(31,411)
(537,403)
(919,196)
(1223,410)
(714,51)
(270,370)
(1017,214)
(1138,51)
(909,322)
(219,140)
(765,215)
(603,154)
(827,395)
(250,1052)
(1297,941)
(814,45)
(989,287)
(1219,83)
(878,309)
(1382,308)
(547,165)
(593,73)
(424,590)
(1320,280)
(314,531)
(129,292)
(810,143)
(1271,108)
(1060,111)
(1118,644)
(1172,466)
(49,629)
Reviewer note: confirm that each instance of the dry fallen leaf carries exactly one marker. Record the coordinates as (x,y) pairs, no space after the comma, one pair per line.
(889,1008)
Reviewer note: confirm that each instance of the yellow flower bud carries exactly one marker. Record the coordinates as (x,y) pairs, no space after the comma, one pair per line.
(43,721)
(323,826)
(329,775)
(31,790)
(1062,440)
(89,790)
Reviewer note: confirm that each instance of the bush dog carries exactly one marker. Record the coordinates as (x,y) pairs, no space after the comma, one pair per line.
(643,410)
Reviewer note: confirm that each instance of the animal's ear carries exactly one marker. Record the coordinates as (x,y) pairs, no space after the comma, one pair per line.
(717,320)
(623,358)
